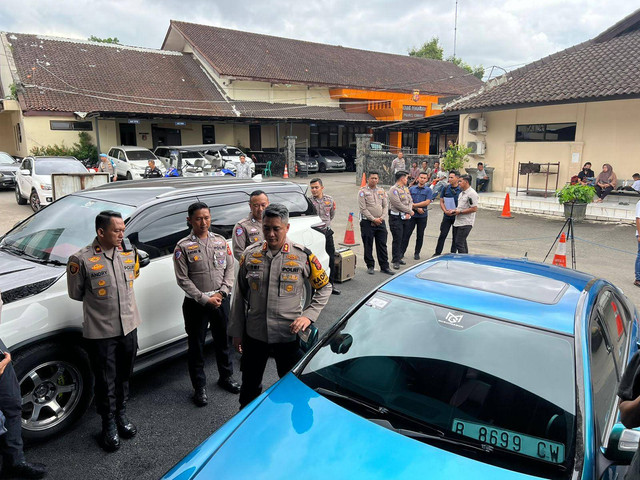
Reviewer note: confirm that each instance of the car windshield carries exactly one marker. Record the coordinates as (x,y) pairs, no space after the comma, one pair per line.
(44,166)
(191,154)
(508,388)
(59,230)
(134,155)
(6,159)
(327,153)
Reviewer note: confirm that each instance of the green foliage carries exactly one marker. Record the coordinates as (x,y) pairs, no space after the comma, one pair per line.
(430,49)
(454,158)
(93,38)
(82,149)
(577,193)
(477,71)
(13,88)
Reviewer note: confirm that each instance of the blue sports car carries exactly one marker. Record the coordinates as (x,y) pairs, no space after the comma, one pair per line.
(461,367)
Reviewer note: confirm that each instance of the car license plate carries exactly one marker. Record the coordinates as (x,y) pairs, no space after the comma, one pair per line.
(516,442)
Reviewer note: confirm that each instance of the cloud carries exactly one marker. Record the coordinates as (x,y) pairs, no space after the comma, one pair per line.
(505,33)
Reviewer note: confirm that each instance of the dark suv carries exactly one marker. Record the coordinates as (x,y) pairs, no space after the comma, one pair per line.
(42,326)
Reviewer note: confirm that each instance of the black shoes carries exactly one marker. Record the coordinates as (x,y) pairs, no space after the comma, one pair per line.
(109,439)
(230,385)
(370,270)
(24,469)
(387,271)
(416,256)
(335,291)
(126,429)
(396,266)
(200,397)
(637,283)
(402,262)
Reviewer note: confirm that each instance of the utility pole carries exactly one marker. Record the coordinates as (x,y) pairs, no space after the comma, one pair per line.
(455,30)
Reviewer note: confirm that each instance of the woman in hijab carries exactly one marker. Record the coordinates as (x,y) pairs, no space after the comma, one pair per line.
(605,182)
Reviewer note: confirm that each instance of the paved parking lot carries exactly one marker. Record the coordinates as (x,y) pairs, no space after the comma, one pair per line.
(171,426)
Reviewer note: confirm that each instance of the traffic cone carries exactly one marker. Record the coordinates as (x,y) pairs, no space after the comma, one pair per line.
(506,209)
(363,183)
(560,258)
(349,236)
(286,172)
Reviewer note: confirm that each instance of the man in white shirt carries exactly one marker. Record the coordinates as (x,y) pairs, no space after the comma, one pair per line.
(244,169)
(465,214)
(482,179)
(635,187)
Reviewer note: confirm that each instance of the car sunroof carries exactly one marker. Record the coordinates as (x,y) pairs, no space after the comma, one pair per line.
(501,281)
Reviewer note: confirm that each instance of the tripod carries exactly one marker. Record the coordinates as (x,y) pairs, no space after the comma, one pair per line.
(569,224)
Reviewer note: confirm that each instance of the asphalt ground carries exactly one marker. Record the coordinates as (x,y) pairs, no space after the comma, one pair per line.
(170,426)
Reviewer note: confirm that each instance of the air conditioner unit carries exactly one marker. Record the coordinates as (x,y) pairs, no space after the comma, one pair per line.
(477,125)
(477,148)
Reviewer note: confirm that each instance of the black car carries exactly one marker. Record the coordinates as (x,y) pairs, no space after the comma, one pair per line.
(8,168)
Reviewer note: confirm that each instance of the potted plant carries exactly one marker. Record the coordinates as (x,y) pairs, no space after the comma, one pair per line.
(454,158)
(575,198)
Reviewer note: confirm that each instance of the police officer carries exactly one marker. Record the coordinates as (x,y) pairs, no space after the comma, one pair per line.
(400,212)
(107,167)
(249,230)
(326,210)
(266,313)
(101,276)
(152,171)
(373,211)
(14,464)
(203,265)
(421,196)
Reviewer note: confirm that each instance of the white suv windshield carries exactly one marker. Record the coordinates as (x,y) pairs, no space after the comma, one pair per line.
(6,159)
(61,229)
(44,166)
(473,378)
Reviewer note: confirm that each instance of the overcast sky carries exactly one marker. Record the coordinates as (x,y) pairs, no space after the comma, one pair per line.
(504,33)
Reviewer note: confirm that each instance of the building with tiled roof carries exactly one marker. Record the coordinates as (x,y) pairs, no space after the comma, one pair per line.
(578,105)
(209,84)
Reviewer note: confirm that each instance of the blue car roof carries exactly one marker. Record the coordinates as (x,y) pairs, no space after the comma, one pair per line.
(530,293)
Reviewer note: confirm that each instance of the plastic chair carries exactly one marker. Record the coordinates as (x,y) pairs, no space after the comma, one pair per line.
(267,170)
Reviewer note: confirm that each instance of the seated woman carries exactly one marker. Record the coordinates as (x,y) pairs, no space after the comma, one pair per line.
(586,175)
(605,182)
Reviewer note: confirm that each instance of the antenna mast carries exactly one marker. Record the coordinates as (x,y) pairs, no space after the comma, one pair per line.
(455,30)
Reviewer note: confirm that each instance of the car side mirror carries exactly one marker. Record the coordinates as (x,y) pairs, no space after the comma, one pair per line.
(623,443)
(341,343)
(25,171)
(143,258)
(308,338)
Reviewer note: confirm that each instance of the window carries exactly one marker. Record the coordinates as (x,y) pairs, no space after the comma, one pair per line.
(323,135)
(613,317)
(546,132)
(77,126)
(18,134)
(208,134)
(604,379)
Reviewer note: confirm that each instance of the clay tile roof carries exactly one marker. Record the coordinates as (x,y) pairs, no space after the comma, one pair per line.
(606,67)
(67,75)
(254,56)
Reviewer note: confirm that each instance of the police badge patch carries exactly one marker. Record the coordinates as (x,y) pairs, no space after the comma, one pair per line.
(178,254)
(239,231)
(73,268)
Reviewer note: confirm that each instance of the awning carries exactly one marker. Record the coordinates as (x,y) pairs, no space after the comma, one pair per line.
(442,121)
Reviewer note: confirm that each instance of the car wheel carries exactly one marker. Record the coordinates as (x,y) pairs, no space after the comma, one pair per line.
(305,297)
(55,386)
(19,198)
(34,201)
(129,176)
(322,167)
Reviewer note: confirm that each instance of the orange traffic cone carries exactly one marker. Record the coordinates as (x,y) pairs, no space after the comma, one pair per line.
(363,183)
(506,209)
(349,236)
(286,172)
(560,258)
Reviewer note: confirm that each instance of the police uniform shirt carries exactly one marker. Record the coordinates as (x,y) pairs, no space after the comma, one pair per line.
(152,173)
(400,201)
(106,167)
(325,207)
(268,288)
(372,203)
(103,282)
(246,232)
(203,267)
(398,164)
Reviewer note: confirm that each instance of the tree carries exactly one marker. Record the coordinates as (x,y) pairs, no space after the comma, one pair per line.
(432,49)
(93,38)
(454,158)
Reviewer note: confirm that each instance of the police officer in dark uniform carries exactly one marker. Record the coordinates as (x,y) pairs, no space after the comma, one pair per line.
(326,210)
(101,276)
(203,265)
(152,171)
(266,313)
(14,464)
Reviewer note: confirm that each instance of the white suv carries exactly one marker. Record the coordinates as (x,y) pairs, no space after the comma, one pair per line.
(131,162)
(42,326)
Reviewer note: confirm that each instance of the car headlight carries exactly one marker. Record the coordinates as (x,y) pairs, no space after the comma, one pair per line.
(44,186)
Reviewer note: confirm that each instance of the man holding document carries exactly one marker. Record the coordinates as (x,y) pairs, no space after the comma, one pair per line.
(448,204)
(465,214)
